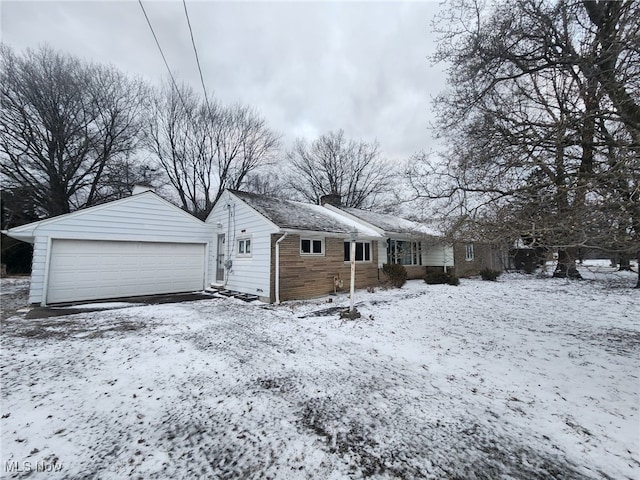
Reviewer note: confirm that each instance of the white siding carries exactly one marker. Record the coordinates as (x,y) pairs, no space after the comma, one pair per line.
(144,217)
(382,253)
(38,267)
(438,255)
(252,274)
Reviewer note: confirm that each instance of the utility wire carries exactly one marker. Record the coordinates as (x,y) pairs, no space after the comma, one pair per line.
(175,84)
(195,51)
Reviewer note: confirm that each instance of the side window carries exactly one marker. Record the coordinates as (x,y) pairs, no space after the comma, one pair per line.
(468,252)
(311,246)
(244,247)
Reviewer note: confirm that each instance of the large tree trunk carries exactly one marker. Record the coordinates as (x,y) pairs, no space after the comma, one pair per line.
(566,267)
(625,263)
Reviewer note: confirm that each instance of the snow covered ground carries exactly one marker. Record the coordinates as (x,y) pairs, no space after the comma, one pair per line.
(524,378)
(14,294)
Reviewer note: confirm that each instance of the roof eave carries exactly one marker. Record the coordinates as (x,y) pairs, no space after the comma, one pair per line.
(412,235)
(322,233)
(24,236)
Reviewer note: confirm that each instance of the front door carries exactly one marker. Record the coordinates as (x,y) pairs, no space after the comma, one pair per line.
(220,260)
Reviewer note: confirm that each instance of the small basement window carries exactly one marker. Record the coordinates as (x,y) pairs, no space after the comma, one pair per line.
(363,251)
(244,247)
(311,246)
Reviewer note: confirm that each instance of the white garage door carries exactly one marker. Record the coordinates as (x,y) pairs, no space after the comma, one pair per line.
(90,270)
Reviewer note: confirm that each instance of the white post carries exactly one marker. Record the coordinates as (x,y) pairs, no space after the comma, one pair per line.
(277,273)
(353,236)
(353,272)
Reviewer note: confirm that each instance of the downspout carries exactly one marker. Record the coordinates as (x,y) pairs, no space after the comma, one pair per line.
(278,267)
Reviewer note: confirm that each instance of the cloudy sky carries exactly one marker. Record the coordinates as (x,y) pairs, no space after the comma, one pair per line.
(308,67)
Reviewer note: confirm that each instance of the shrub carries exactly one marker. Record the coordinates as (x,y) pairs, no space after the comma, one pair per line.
(439,278)
(489,274)
(397,274)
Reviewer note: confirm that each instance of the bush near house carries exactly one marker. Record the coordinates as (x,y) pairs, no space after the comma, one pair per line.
(439,278)
(489,274)
(397,274)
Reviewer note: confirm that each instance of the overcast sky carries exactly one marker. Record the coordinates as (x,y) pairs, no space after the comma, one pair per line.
(308,67)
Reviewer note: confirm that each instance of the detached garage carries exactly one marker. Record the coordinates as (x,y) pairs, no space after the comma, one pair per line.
(140,245)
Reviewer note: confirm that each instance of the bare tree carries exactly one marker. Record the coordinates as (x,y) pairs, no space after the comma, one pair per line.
(178,137)
(536,90)
(62,123)
(334,164)
(244,144)
(264,182)
(204,147)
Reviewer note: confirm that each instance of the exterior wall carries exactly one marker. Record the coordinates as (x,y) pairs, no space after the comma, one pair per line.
(415,271)
(38,268)
(484,256)
(144,217)
(433,256)
(248,274)
(438,256)
(308,276)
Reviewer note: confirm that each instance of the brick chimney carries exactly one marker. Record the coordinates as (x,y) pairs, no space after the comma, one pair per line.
(333,198)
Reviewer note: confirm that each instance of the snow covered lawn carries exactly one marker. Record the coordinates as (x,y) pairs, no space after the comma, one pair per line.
(524,378)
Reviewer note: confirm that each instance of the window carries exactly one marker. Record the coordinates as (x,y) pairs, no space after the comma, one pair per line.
(468,254)
(244,247)
(309,246)
(363,251)
(404,252)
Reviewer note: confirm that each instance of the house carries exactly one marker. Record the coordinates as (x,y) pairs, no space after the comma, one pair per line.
(262,246)
(416,246)
(284,250)
(139,245)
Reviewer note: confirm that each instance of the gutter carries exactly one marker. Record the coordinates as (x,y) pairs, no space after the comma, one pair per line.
(277,287)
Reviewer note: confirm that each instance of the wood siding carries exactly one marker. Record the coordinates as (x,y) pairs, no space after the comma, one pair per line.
(308,276)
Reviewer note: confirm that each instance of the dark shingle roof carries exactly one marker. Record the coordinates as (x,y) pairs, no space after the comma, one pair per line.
(391,223)
(288,214)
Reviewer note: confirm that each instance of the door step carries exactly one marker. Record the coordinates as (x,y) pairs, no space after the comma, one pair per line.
(233,294)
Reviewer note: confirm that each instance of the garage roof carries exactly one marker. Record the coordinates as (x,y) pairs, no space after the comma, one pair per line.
(147,206)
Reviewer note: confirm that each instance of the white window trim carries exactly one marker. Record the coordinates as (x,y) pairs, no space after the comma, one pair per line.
(415,252)
(245,255)
(312,254)
(361,261)
(468,252)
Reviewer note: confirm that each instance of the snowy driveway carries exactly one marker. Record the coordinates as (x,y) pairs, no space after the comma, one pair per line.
(524,378)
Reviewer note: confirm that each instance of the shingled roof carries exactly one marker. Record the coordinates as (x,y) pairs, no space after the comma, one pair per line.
(391,224)
(291,215)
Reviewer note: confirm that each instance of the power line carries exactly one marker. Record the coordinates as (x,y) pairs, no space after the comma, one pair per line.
(195,51)
(175,84)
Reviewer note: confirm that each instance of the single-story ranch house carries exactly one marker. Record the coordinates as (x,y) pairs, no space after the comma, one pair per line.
(262,246)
